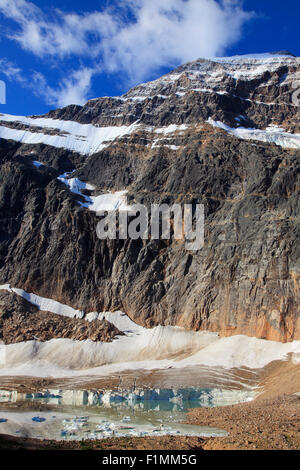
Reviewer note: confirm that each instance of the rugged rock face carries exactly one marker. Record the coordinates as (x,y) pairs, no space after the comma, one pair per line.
(245,280)
(21,321)
(223,89)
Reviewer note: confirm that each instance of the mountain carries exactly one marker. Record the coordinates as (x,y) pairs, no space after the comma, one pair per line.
(223,132)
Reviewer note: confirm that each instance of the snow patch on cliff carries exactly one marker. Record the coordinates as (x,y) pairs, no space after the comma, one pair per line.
(103,202)
(272,134)
(85,139)
(250,66)
(139,348)
(47,305)
(171,129)
(74,184)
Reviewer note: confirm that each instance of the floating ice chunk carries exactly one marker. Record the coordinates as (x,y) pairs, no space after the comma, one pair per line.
(126,419)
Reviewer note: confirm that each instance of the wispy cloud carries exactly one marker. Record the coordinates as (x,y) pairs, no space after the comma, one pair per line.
(61,34)
(137,37)
(73,90)
(172,32)
(11,71)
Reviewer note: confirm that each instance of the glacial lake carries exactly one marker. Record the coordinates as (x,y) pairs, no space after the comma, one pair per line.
(61,414)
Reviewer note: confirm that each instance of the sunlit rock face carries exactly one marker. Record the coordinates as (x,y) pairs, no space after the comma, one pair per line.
(224,133)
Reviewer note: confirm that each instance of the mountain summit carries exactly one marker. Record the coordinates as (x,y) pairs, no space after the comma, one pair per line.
(223,132)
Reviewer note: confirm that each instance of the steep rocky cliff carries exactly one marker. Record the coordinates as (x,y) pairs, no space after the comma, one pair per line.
(222,133)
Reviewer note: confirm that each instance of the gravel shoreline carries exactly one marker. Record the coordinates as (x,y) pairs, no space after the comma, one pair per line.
(270,422)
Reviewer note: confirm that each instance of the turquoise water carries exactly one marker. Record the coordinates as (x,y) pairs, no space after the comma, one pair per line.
(83,414)
(165,399)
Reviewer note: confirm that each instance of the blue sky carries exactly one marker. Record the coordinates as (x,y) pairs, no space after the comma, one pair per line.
(57,52)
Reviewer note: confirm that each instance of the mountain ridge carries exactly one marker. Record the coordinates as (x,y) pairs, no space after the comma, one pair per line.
(173,140)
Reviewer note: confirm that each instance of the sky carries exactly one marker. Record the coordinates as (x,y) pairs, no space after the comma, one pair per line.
(56,52)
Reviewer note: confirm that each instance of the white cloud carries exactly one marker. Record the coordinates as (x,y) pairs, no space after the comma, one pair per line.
(10,70)
(60,35)
(73,90)
(158,33)
(172,32)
